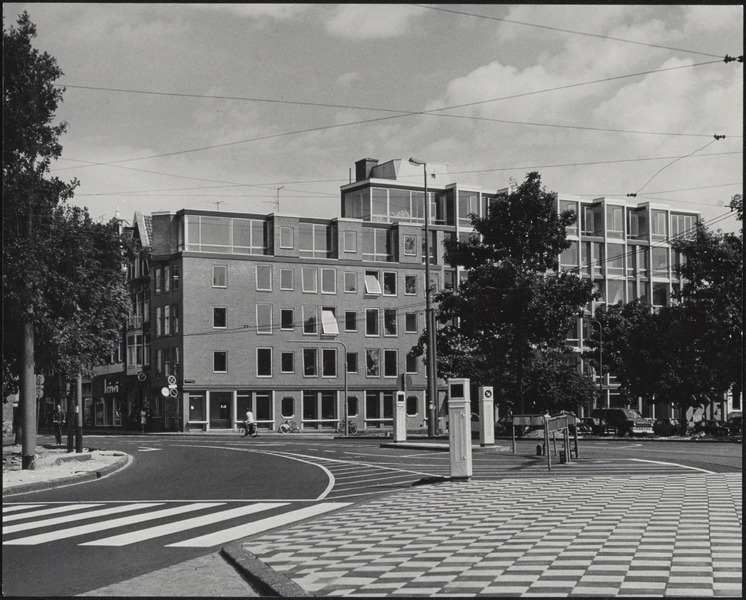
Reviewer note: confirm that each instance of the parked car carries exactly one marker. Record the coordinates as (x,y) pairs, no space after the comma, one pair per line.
(735,423)
(667,427)
(713,428)
(502,427)
(625,421)
(598,426)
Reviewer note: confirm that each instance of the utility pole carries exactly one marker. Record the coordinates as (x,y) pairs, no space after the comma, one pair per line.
(27,382)
(79,414)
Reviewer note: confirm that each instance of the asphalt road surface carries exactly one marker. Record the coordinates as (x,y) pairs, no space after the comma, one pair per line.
(187,496)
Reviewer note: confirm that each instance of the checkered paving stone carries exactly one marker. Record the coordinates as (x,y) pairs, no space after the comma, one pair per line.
(669,535)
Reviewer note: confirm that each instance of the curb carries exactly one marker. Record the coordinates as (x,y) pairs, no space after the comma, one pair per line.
(260,574)
(38,486)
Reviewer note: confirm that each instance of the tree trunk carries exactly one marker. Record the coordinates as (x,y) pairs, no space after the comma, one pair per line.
(28,395)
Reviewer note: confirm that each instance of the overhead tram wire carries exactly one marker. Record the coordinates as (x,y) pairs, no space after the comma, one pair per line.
(571,31)
(233,185)
(429,112)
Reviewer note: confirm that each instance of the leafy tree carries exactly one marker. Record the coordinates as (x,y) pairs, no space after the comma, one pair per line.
(689,353)
(64,296)
(513,305)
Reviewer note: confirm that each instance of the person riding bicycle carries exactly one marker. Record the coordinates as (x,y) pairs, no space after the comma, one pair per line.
(249,424)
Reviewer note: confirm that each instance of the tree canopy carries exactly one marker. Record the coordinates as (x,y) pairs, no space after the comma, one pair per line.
(513,305)
(61,270)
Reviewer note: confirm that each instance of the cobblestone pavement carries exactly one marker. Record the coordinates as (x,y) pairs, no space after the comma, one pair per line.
(670,535)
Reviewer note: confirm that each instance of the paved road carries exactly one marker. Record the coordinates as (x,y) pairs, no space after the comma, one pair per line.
(186,496)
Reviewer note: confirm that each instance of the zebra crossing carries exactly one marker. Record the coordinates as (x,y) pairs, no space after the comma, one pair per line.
(213,523)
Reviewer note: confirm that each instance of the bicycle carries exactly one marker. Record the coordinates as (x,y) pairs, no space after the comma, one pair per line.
(289,427)
(245,430)
(351,427)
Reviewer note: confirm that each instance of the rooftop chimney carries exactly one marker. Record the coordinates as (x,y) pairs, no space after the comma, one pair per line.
(363,167)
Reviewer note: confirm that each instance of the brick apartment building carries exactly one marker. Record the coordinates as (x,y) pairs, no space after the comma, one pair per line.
(277,313)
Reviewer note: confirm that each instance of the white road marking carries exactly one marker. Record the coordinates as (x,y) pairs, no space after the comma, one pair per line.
(95,527)
(48,511)
(168,528)
(76,517)
(8,509)
(659,462)
(228,535)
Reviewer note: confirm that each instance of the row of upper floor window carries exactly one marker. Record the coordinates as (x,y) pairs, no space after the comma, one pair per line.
(622,222)
(325,280)
(599,259)
(321,362)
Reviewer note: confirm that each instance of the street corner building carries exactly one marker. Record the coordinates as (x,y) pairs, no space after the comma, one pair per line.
(281,314)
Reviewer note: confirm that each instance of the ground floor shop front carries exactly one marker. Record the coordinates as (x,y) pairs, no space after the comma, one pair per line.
(312,410)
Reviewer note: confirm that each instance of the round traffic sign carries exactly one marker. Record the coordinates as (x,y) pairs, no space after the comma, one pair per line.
(141,376)
(171,380)
(174,393)
(164,392)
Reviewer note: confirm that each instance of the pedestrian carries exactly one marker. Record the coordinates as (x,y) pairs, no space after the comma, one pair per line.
(143,419)
(250,424)
(58,418)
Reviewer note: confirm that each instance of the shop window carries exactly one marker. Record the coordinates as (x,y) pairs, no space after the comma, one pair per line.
(412,402)
(263,402)
(352,406)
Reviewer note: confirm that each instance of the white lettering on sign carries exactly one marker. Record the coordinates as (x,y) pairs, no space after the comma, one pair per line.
(111,388)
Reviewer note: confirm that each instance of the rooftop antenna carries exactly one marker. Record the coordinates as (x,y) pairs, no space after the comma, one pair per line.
(218,203)
(277,199)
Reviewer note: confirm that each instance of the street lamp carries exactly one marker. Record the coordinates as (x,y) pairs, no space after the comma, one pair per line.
(429,324)
(600,355)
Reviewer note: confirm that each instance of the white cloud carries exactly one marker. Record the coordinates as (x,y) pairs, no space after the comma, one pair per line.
(349,79)
(364,21)
(280,11)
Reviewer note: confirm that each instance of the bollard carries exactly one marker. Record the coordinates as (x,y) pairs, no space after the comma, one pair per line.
(486,417)
(459,430)
(400,418)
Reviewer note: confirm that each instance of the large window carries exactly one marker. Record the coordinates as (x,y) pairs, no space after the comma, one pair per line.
(328,281)
(316,240)
(329,321)
(390,363)
(376,244)
(615,221)
(389,322)
(310,279)
(373,362)
(286,279)
(350,320)
(410,322)
(350,278)
(329,362)
(566,205)
(219,317)
(658,230)
(660,262)
(682,226)
(287,362)
(134,350)
(372,284)
(410,285)
(389,284)
(468,203)
(569,257)
(225,234)
(615,260)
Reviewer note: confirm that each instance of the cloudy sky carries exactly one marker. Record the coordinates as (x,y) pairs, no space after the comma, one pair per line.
(217,106)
